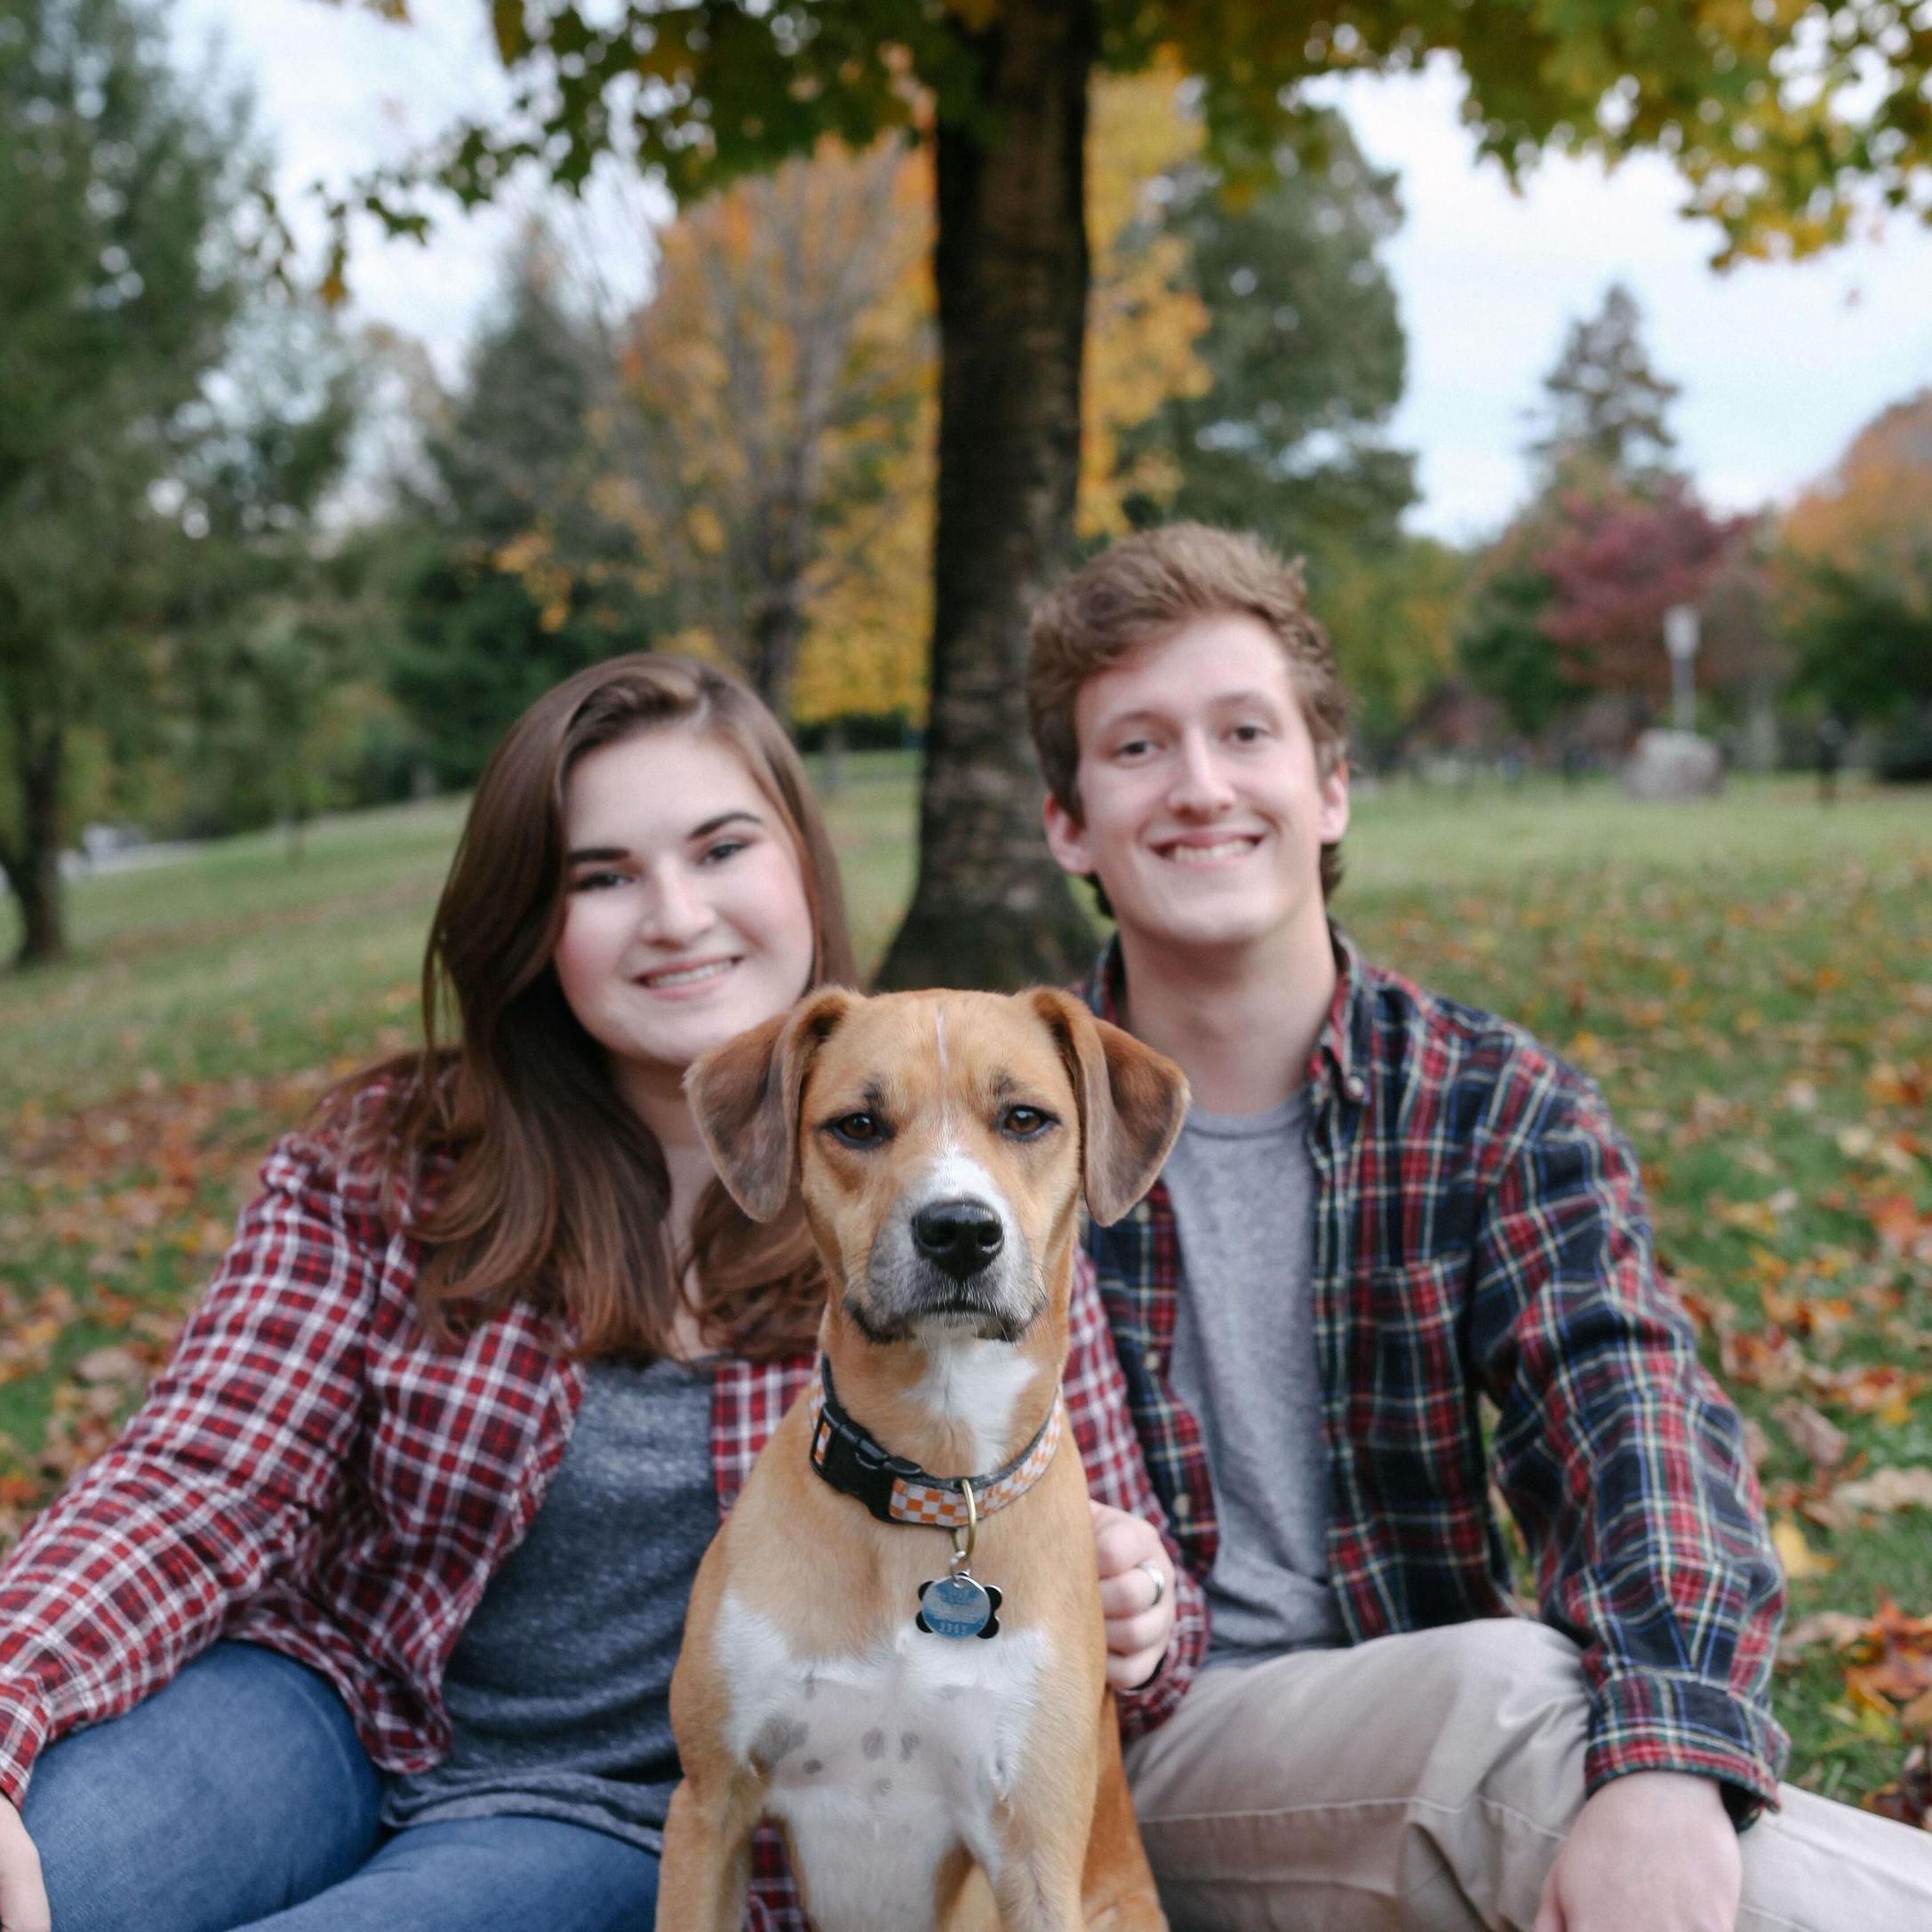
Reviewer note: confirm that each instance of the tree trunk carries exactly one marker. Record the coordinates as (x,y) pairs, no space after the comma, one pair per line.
(991,908)
(775,622)
(35,867)
(778,632)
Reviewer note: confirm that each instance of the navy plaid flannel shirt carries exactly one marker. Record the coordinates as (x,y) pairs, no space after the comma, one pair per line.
(1480,1232)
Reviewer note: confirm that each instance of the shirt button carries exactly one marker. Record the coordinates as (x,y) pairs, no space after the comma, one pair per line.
(1356,1087)
(1181,1506)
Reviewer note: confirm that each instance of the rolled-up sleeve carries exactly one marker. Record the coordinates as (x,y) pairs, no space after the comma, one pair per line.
(1622,1461)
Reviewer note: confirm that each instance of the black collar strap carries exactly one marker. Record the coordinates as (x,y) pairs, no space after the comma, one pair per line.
(897,1491)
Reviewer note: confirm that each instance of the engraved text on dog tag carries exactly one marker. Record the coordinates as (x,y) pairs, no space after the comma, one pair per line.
(959,1606)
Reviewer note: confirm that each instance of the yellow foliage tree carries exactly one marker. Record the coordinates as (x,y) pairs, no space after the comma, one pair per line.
(869,589)
(1143,315)
(776,450)
(1854,573)
(871,599)
(1393,616)
(1873,511)
(766,394)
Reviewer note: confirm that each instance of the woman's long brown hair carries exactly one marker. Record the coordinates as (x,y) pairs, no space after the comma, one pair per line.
(549,1188)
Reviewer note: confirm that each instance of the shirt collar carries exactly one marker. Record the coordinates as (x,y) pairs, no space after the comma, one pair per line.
(1341,1049)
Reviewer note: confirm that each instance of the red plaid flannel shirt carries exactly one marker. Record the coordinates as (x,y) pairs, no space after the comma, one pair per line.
(1480,1232)
(308,1474)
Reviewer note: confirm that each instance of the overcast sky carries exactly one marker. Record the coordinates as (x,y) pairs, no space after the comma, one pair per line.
(1779,365)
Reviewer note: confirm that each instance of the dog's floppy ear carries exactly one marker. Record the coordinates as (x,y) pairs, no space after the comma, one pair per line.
(745,1097)
(1132,1101)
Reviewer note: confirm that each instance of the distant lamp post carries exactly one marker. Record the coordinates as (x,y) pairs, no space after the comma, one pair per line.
(1680,640)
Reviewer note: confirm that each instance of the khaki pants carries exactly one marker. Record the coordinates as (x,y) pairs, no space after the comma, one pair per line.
(1425,1782)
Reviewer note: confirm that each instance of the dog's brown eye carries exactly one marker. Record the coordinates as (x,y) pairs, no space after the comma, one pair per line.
(1023,1123)
(859,1129)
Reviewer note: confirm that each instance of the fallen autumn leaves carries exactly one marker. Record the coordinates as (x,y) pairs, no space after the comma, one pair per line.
(1763,1032)
(1767,1043)
(1887,1660)
(118,1215)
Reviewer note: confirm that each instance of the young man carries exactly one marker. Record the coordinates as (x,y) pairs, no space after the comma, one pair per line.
(1387,1211)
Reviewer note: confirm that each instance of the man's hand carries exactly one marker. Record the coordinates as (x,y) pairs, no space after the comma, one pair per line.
(23,1898)
(1652,1852)
(1139,1617)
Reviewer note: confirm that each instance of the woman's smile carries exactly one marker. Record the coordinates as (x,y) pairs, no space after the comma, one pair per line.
(697,978)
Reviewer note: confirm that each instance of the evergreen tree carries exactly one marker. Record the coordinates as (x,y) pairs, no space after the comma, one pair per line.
(119,273)
(1306,360)
(510,578)
(1600,450)
(1603,420)
(1305,350)
(513,450)
(268,657)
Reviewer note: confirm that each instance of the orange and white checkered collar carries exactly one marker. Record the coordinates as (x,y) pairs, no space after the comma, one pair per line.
(898,1490)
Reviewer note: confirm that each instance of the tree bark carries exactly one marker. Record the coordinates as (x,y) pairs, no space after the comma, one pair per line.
(34,868)
(776,625)
(775,617)
(991,908)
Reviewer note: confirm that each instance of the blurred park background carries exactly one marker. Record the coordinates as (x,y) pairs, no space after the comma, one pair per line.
(839,356)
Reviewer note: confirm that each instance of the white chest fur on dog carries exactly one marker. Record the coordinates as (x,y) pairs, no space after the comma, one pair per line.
(880,1764)
(975,1387)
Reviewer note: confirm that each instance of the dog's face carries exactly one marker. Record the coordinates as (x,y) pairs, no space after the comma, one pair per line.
(941,1141)
(939,1156)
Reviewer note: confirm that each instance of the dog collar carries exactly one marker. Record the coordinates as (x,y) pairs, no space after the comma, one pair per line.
(897,1489)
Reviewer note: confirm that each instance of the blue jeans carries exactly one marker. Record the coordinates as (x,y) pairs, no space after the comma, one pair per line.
(239,1796)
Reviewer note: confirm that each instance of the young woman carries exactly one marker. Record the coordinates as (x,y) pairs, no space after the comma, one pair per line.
(368,1620)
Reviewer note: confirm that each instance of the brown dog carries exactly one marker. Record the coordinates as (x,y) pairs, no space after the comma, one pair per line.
(941,1141)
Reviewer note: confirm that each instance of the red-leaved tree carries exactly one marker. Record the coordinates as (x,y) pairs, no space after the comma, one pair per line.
(1620,562)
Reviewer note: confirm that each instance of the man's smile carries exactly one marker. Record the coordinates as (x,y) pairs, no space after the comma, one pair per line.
(1219,849)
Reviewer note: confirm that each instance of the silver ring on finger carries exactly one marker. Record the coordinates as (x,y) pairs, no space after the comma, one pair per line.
(1160,1581)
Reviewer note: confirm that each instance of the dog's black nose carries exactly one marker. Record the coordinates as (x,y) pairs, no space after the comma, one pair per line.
(960,1236)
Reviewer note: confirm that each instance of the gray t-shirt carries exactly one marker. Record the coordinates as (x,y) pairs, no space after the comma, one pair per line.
(559,1689)
(1243,1187)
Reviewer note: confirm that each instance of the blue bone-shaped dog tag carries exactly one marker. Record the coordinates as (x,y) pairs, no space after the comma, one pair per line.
(959,1606)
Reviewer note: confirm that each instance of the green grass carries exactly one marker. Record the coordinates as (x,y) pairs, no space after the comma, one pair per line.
(1750,979)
